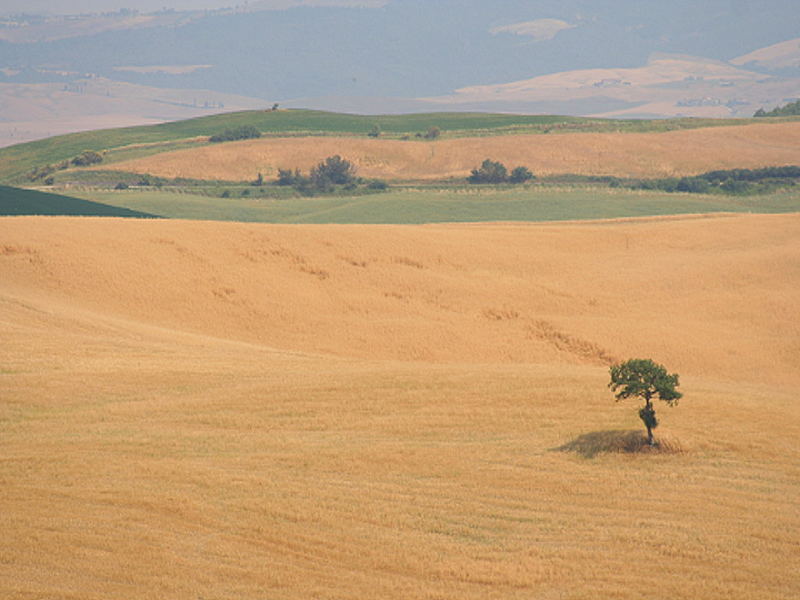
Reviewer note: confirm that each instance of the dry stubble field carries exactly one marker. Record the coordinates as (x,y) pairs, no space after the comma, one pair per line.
(204,410)
(675,153)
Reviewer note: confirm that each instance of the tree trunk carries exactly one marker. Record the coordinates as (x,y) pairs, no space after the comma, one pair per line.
(648,416)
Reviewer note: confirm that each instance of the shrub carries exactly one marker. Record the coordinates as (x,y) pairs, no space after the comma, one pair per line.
(289,177)
(693,185)
(245,132)
(377,185)
(736,187)
(489,172)
(520,175)
(334,170)
(41,172)
(432,133)
(86,158)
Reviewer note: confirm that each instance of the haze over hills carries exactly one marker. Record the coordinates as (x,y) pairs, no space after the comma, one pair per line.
(574,57)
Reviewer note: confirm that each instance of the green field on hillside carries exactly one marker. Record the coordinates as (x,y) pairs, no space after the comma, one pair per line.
(19,160)
(413,206)
(16,202)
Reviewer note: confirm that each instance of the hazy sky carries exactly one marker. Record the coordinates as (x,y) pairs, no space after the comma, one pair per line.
(64,7)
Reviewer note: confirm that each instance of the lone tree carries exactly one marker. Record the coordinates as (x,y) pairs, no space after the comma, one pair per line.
(489,172)
(334,170)
(645,379)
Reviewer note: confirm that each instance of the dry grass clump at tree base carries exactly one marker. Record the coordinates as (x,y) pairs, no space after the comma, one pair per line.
(592,444)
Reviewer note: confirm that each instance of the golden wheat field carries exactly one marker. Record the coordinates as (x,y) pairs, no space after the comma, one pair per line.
(675,153)
(250,411)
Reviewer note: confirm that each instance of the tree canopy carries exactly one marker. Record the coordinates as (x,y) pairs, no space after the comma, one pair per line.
(492,171)
(791,109)
(645,379)
(334,170)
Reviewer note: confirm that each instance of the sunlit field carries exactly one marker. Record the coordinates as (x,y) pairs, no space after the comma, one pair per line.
(227,410)
(662,154)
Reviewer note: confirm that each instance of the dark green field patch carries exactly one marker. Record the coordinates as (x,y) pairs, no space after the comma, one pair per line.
(16,202)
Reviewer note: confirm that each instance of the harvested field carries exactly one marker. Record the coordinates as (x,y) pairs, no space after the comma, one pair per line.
(206,410)
(674,153)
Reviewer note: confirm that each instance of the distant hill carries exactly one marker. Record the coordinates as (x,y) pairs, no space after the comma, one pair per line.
(390,57)
(669,85)
(16,201)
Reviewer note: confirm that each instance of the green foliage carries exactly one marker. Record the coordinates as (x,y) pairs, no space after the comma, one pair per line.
(289,177)
(495,172)
(731,181)
(244,132)
(333,175)
(520,175)
(378,185)
(791,109)
(433,133)
(334,170)
(645,379)
(490,171)
(86,158)
(693,185)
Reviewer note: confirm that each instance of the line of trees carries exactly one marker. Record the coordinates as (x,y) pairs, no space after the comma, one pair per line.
(788,110)
(45,172)
(731,181)
(245,132)
(329,175)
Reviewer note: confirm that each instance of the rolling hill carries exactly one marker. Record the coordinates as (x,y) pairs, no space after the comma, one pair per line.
(18,160)
(300,139)
(662,154)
